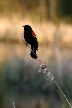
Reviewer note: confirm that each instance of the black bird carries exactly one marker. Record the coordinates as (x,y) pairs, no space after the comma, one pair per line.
(31,39)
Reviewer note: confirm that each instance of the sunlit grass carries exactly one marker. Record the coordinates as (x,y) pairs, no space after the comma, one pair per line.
(23,85)
(47,32)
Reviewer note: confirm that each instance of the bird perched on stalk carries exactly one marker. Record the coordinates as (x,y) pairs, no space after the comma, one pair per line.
(30,38)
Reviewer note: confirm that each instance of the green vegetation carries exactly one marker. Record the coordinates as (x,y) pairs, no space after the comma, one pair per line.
(49,9)
(21,79)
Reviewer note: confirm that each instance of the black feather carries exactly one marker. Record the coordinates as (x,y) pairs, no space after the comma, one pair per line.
(30,39)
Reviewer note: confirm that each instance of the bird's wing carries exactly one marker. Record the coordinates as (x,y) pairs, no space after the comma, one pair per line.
(33,34)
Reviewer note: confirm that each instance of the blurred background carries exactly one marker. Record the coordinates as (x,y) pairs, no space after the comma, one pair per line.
(51,20)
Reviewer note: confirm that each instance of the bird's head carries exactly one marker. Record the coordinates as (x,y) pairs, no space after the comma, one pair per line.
(27,27)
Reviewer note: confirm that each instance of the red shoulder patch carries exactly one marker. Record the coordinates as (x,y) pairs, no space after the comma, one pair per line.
(33,34)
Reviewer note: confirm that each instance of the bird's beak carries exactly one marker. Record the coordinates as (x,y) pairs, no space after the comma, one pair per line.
(22,26)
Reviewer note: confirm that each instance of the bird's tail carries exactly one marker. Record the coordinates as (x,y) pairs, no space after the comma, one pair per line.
(33,55)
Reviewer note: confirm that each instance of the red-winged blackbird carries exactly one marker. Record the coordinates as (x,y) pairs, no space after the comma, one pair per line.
(31,39)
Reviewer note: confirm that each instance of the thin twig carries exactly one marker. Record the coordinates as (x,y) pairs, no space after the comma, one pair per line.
(32,51)
(13,105)
(63,93)
(51,77)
